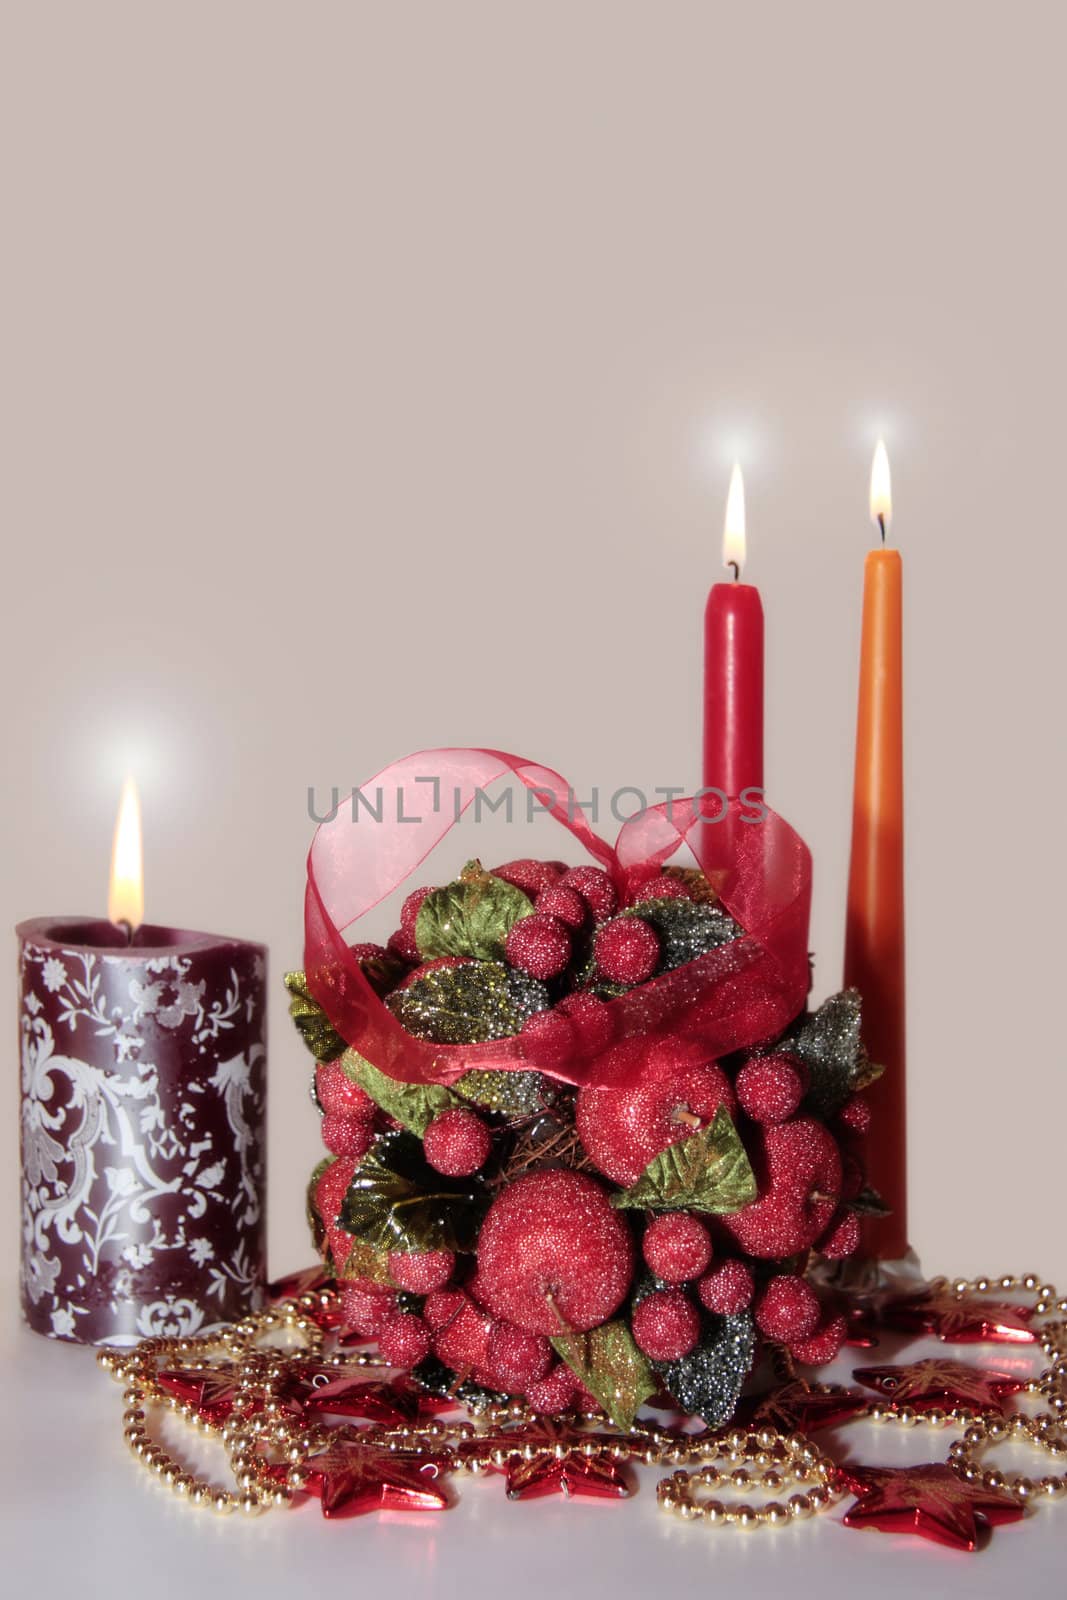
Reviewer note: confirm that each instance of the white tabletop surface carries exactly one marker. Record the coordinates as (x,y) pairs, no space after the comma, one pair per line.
(81,1518)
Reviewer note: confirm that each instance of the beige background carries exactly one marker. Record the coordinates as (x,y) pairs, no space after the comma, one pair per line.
(371,378)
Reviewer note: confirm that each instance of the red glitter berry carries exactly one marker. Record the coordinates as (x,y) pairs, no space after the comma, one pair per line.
(677,1247)
(443,1306)
(338,1095)
(421,1271)
(624,1129)
(842,1238)
(539,946)
(403,941)
(329,1194)
(769,1088)
(855,1114)
(824,1343)
(403,1340)
(627,951)
(666,1325)
(331,1188)
(566,905)
(798,1170)
(530,876)
(552,1252)
(728,1288)
(595,888)
(554,1393)
(514,1359)
(433,966)
(462,1343)
(366,1304)
(548,1039)
(660,887)
(367,952)
(347,1136)
(457,1143)
(592,1020)
(787,1309)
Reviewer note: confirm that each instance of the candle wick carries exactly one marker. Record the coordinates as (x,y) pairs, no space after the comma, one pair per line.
(736,566)
(127,928)
(881,524)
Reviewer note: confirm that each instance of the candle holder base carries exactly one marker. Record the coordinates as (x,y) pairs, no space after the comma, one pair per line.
(864,1276)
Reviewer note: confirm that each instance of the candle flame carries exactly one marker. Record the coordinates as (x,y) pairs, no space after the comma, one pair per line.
(125,900)
(881,494)
(733,538)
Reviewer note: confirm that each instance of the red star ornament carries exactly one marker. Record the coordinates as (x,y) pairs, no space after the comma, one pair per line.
(958,1319)
(796,1407)
(212,1391)
(572,1475)
(352,1478)
(930,1385)
(343,1395)
(309,1280)
(558,1464)
(929,1500)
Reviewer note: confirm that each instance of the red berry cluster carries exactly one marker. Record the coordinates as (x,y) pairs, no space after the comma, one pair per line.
(553,1253)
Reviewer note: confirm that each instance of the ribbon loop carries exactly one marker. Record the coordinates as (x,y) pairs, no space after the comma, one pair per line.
(736,995)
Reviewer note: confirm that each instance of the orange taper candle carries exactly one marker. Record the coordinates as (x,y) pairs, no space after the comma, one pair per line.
(874,935)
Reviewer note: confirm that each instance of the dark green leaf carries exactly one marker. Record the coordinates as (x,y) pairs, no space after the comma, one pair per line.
(315,1222)
(686,929)
(414,1105)
(608,1362)
(396,1201)
(710,1171)
(468,1004)
(438,1379)
(471,917)
(828,1042)
(312,1023)
(869,1203)
(708,1381)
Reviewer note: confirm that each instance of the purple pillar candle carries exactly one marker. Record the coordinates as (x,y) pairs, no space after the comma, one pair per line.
(143,1129)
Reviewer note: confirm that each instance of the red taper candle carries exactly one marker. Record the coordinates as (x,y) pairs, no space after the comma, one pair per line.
(733,668)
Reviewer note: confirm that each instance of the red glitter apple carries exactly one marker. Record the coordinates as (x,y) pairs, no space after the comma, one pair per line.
(553,1255)
(798,1169)
(624,1129)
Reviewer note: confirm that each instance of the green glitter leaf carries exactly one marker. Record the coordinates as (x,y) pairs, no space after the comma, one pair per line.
(413,1105)
(396,1201)
(710,1171)
(467,1004)
(509,1094)
(608,1362)
(366,1261)
(312,1023)
(828,1042)
(471,917)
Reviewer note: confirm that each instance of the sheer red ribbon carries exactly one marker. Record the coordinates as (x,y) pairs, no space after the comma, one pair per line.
(737,995)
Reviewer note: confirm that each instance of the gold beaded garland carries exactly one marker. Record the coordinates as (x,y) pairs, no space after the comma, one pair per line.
(795,1462)
(268,1446)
